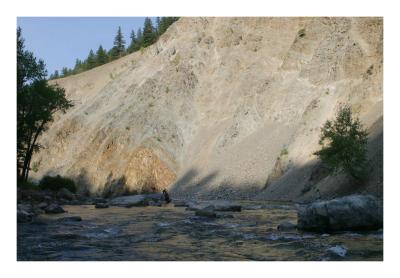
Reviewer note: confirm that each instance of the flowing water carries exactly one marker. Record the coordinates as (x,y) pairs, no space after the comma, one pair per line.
(173,233)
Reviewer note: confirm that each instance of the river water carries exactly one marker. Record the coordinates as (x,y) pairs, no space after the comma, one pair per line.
(171,233)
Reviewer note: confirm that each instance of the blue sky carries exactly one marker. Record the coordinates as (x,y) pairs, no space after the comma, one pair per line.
(60,40)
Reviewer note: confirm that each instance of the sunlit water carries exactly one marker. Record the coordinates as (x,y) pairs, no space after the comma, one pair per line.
(173,233)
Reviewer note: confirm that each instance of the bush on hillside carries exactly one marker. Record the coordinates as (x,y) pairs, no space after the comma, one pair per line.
(56,183)
(344,144)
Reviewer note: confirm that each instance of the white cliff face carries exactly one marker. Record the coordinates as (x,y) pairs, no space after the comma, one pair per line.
(214,104)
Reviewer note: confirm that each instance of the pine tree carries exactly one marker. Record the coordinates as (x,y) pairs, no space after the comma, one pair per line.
(119,45)
(149,35)
(78,66)
(158,21)
(133,43)
(64,72)
(139,38)
(101,56)
(90,60)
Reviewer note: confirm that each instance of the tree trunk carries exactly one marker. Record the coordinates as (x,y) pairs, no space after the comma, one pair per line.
(28,157)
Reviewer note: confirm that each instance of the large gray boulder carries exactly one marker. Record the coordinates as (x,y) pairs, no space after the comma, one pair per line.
(54,208)
(137,200)
(354,212)
(66,194)
(128,201)
(217,205)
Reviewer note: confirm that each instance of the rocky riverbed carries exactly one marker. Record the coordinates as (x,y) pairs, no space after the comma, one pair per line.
(258,231)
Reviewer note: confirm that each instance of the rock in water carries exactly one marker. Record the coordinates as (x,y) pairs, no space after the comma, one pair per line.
(179,203)
(338,250)
(226,206)
(206,212)
(129,201)
(66,194)
(71,219)
(23,216)
(101,205)
(54,208)
(286,226)
(354,212)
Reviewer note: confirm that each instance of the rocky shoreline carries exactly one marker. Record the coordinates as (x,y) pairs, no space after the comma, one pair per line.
(354,212)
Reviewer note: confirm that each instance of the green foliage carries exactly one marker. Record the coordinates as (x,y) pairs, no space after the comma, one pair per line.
(101,56)
(56,183)
(175,61)
(344,144)
(149,33)
(91,60)
(284,151)
(301,33)
(119,45)
(36,103)
(27,185)
(35,166)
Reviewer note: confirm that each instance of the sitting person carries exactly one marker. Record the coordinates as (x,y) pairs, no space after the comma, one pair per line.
(166,196)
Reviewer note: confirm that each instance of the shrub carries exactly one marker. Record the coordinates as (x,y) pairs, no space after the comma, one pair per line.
(284,151)
(56,183)
(27,185)
(344,144)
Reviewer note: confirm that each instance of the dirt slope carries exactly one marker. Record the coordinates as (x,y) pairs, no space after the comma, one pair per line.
(221,107)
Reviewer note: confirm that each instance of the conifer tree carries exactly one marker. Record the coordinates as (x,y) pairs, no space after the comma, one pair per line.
(101,56)
(133,43)
(90,60)
(149,35)
(119,45)
(139,38)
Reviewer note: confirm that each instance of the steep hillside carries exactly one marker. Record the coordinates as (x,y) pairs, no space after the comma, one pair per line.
(222,107)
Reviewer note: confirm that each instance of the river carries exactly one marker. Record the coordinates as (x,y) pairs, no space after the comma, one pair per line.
(171,233)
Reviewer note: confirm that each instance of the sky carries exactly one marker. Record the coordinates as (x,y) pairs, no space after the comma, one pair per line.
(59,41)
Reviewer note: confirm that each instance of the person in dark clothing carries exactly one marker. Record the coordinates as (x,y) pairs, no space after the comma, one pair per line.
(166,196)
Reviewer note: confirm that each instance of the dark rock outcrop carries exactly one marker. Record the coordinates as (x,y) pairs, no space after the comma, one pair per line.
(354,212)
(53,209)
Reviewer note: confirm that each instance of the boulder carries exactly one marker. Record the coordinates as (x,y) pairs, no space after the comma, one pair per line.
(101,205)
(66,194)
(225,206)
(54,208)
(286,226)
(23,216)
(129,201)
(338,250)
(71,219)
(42,205)
(154,204)
(354,212)
(206,212)
(217,205)
(99,200)
(179,203)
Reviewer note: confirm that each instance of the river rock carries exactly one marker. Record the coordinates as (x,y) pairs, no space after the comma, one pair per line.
(71,219)
(101,205)
(286,226)
(66,194)
(338,250)
(129,201)
(354,212)
(54,208)
(42,205)
(206,212)
(23,216)
(179,203)
(225,206)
